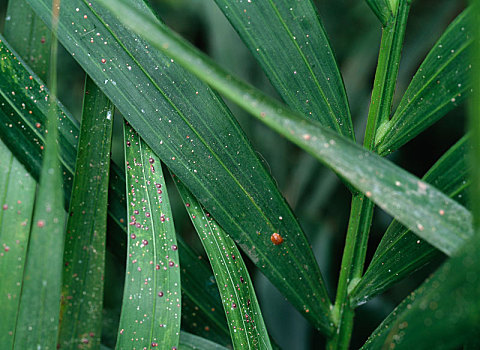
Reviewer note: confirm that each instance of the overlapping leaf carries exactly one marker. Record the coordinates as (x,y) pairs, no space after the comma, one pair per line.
(202,311)
(84,257)
(17,194)
(247,328)
(442,313)
(191,130)
(290,43)
(37,324)
(401,252)
(441,83)
(25,137)
(24,103)
(420,207)
(192,342)
(151,308)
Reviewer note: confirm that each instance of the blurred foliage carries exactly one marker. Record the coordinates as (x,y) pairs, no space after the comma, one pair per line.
(354,33)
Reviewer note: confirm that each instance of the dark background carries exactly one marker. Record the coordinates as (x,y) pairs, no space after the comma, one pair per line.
(315,194)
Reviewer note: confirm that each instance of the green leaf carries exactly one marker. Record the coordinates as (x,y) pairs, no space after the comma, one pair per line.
(151,309)
(189,127)
(202,311)
(400,252)
(84,257)
(247,328)
(290,43)
(24,103)
(37,324)
(442,313)
(440,84)
(192,342)
(17,193)
(383,9)
(422,208)
(474,120)
(23,133)
(29,35)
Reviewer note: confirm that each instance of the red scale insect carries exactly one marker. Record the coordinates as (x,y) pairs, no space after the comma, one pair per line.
(276,238)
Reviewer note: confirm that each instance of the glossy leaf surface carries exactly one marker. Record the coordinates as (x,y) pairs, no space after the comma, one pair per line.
(192,131)
(290,43)
(24,103)
(202,311)
(442,313)
(151,308)
(84,257)
(25,137)
(192,342)
(17,194)
(247,328)
(441,83)
(400,251)
(38,318)
(426,211)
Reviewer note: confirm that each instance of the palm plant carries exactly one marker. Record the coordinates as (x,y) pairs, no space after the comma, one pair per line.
(72,220)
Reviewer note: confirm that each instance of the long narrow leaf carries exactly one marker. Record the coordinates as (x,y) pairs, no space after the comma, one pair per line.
(401,252)
(192,342)
(247,328)
(192,131)
(292,47)
(442,313)
(23,133)
(151,309)
(25,104)
(37,325)
(441,83)
(426,211)
(202,311)
(84,257)
(17,194)
(29,35)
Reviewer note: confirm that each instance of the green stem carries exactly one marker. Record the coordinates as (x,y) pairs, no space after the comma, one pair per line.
(386,73)
(351,269)
(361,213)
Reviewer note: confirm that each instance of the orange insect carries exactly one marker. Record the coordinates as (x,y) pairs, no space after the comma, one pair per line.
(276,238)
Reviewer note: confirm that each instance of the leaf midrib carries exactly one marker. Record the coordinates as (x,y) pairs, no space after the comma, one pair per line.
(203,141)
(462,48)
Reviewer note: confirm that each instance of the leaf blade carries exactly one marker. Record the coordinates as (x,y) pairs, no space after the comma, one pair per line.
(426,211)
(442,313)
(151,310)
(24,135)
(192,342)
(305,73)
(37,324)
(17,194)
(247,328)
(127,66)
(84,256)
(400,252)
(440,84)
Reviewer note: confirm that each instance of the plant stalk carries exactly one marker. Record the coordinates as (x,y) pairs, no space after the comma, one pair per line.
(361,212)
